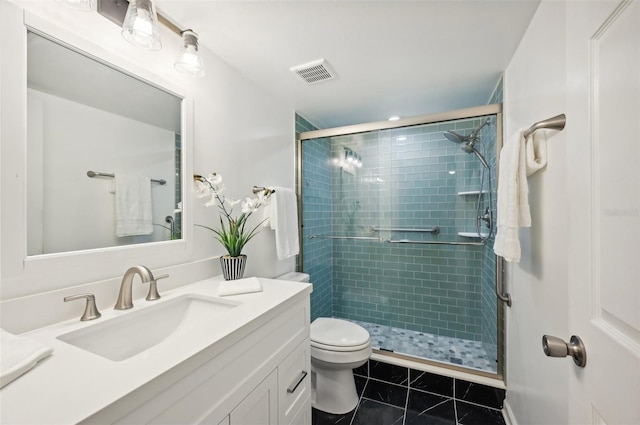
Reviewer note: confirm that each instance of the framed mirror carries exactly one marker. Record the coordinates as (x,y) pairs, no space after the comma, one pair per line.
(103,153)
(45,247)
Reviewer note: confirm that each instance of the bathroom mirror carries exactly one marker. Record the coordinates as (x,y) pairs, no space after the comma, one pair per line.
(89,125)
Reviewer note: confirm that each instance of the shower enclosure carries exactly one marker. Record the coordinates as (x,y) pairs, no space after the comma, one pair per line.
(397,229)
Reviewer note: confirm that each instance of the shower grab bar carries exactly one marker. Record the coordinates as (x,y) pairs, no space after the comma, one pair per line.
(99,174)
(502,296)
(554,123)
(435,242)
(435,229)
(363,238)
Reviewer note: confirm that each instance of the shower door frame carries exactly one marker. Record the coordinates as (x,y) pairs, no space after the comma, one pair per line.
(458,114)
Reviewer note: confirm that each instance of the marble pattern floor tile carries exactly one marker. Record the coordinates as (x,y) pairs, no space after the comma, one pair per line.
(421,399)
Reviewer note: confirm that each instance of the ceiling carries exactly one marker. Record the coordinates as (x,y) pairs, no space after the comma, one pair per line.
(401,58)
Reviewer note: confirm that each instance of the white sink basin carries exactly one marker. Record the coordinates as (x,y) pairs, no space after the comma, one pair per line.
(138,330)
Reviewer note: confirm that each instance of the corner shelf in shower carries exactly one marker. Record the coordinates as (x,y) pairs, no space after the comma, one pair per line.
(471,192)
(473,235)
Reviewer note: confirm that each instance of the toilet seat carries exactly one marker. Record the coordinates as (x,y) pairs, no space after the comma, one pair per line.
(337,348)
(338,335)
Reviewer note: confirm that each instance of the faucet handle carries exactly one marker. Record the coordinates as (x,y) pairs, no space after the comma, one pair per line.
(153,288)
(90,310)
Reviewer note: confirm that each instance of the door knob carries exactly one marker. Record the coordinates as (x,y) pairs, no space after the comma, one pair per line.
(556,347)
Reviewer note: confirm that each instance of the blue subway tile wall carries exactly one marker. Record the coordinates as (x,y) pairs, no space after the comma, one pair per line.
(410,179)
(316,198)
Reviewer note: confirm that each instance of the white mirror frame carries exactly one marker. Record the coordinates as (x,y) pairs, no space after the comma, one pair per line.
(22,275)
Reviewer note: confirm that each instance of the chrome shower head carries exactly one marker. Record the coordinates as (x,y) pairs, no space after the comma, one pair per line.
(478,155)
(469,141)
(455,137)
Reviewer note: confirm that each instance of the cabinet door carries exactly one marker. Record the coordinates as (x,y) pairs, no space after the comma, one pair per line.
(260,407)
(294,380)
(303,417)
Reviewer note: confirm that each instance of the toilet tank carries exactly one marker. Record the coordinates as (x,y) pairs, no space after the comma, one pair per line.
(294,276)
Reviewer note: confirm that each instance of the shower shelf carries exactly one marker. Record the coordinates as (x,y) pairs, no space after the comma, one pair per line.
(472,235)
(471,192)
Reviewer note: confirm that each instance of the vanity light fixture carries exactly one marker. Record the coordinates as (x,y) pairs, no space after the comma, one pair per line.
(139,22)
(140,26)
(189,60)
(352,159)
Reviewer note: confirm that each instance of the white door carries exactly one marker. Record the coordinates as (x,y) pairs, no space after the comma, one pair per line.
(603,136)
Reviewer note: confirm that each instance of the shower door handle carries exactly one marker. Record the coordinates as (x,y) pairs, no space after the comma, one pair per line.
(505,298)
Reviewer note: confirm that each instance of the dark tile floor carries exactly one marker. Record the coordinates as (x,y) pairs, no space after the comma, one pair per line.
(394,395)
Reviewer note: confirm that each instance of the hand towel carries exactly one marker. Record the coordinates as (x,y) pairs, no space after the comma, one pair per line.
(536,152)
(239,286)
(18,356)
(133,205)
(519,158)
(284,220)
(513,208)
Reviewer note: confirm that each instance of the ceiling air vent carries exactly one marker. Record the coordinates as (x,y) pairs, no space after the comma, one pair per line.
(314,72)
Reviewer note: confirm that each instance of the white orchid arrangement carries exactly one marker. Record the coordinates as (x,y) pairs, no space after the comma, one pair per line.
(233,234)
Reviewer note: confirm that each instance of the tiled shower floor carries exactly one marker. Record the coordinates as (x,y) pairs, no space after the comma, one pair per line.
(455,351)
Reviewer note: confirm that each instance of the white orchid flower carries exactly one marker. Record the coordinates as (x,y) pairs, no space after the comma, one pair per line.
(211,202)
(250,205)
(219,188)
(262,199)
(214,178)
(201,189)
(233,202)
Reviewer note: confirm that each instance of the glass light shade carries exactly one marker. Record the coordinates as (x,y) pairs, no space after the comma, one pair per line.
(84,5)
(140,26)
(189,60)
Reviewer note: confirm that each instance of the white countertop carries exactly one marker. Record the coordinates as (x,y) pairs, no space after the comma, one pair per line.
(73,384)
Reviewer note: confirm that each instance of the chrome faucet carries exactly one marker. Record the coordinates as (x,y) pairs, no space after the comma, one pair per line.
(125,300)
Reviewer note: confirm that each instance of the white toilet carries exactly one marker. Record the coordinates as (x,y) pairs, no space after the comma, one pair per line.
(337,347)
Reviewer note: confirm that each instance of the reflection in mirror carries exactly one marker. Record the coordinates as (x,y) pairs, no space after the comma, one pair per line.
(82,116)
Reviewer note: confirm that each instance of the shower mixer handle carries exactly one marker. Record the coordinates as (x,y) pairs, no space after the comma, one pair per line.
(486,217)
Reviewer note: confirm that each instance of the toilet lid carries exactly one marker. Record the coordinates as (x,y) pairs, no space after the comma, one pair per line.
(338,333)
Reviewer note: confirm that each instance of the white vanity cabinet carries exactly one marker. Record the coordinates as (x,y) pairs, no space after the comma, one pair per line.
(261,376)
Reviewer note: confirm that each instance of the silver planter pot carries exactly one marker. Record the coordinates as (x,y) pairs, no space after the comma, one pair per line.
(233,267)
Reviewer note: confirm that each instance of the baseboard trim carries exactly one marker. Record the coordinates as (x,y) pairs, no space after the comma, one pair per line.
(507,413)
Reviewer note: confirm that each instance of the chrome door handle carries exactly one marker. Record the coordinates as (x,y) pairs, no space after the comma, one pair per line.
(556,347)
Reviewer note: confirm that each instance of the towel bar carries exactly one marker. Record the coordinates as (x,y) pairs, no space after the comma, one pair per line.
(435,242)
(435,229)
(362,238)
(554,123)
(99,174)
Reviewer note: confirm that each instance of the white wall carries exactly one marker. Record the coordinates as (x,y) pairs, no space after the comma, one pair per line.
(535,89)
(240,131)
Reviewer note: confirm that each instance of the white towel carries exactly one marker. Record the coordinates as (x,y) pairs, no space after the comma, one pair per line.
(283,219)
(18,355)
(239,286)
(519,158)
(536,152)
(133,205)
